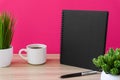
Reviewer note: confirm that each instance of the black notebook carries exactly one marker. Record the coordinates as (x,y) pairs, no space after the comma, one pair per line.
(83,37)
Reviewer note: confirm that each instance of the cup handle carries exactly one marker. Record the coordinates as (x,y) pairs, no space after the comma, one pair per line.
(20,54)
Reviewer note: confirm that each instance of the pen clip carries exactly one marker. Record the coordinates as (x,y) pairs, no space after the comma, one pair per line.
(89,73)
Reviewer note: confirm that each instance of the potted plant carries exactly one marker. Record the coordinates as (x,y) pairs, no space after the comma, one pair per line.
(109,64)
(6,34)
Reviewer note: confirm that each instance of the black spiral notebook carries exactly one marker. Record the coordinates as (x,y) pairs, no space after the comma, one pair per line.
(83,37)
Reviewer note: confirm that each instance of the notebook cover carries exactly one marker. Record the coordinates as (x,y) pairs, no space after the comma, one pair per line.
(83,37)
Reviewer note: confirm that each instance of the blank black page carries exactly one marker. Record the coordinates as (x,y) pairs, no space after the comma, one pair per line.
(83,37)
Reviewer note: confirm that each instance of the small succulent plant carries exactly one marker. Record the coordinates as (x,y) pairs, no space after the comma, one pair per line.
(6,30)
(110,62)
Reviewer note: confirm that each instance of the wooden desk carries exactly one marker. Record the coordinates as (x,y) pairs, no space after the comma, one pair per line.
(51,70)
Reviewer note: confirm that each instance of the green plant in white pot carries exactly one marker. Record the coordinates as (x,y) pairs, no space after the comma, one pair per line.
(109,64)
(6,34)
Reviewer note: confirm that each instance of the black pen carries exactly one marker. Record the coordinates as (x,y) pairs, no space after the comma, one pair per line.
(79,74)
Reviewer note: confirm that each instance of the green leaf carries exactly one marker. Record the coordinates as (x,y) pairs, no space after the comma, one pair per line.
(106,68)
(6,31)
(111,52)
(1,35)
(117,64)
(114,71)
(117,52)
(95,62)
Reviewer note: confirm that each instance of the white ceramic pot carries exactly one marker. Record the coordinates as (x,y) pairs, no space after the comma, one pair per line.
(6,57)
(105,76)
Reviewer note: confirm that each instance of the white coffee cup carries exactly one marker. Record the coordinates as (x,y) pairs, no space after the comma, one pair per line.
(36,53)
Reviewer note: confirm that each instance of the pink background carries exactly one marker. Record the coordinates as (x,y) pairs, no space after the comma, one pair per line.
(39,21)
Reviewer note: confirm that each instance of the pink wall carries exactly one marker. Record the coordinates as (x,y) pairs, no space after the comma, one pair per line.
(39,21)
